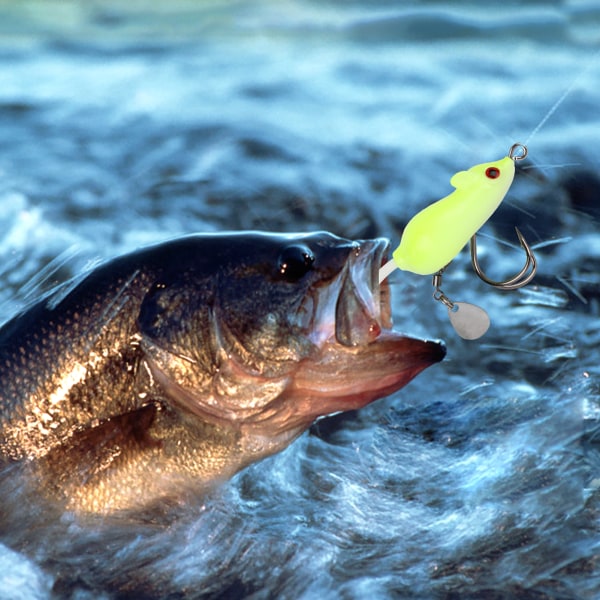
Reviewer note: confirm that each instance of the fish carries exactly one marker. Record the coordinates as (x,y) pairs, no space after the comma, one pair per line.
(172,368)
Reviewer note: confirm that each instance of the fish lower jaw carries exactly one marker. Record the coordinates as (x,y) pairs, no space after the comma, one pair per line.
(346,378)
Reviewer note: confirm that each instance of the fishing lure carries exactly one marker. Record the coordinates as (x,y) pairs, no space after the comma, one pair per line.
(436,234)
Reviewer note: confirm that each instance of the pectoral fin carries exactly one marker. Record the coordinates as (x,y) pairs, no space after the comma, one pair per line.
(83,459)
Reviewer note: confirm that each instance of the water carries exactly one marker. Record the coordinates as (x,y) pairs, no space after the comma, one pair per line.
(126,123)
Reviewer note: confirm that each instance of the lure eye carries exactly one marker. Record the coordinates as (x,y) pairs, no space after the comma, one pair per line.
(295,261)
(492,172)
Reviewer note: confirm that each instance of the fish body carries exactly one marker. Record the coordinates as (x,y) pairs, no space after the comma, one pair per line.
(175,366)
(435,235)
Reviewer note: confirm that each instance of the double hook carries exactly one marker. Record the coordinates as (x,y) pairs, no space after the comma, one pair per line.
(522,278)
(527,273)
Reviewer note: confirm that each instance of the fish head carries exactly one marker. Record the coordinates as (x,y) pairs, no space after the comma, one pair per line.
(269,332)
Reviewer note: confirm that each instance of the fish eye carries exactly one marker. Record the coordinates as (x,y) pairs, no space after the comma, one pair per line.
(295,261)
(492,172)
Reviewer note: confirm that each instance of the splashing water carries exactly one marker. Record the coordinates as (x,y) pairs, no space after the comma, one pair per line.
(121,126)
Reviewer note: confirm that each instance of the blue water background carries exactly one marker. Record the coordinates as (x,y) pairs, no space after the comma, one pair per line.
(126,123)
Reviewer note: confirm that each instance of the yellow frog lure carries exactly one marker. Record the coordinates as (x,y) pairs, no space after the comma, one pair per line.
(435,235)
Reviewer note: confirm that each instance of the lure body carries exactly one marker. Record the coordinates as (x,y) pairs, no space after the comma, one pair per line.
(435,235)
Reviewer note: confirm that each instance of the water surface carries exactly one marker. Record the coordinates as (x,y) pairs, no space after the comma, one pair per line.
(126,123)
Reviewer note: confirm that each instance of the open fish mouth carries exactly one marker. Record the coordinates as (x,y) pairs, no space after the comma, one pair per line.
(363,306)
(353,309)
(361,357)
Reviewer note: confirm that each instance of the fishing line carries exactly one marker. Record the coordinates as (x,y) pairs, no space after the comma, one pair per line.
(591,63)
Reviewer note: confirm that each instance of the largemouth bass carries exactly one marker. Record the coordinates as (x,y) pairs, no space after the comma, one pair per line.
(175,366)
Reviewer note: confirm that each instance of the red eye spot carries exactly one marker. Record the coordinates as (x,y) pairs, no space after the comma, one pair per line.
(492,172)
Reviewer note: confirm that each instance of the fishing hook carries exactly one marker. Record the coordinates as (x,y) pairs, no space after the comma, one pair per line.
(520,279)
